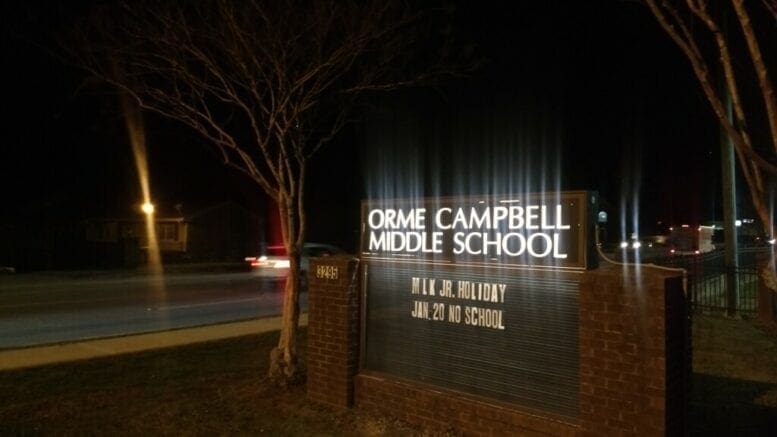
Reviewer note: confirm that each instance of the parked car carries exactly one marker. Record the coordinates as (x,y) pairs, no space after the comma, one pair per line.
(274,262)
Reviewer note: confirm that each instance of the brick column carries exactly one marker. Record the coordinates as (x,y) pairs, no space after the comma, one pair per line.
(333,329)
(634,352)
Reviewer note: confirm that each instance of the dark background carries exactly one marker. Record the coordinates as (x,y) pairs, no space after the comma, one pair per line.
(572,95)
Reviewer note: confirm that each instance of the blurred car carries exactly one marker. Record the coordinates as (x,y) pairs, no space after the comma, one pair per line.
(274,262)
(632,243)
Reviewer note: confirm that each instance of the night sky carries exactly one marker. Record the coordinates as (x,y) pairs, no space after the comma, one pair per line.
(572,95)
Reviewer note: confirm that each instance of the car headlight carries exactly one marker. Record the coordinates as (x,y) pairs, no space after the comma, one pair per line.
(624,244)
(636,245)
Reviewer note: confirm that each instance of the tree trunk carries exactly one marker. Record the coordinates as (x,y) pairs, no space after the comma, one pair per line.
(754,167)
(767,291)
(283,358)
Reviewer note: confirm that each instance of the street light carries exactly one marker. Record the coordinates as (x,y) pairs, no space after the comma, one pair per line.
(147,208)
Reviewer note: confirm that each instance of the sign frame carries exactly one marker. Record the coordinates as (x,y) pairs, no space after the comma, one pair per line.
(583,222)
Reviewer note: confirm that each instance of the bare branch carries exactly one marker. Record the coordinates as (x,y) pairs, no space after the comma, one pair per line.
(267,83)
(771,6)
(761,71)
(754,163)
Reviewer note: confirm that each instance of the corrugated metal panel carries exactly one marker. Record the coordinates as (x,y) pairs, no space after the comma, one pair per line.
(532,362)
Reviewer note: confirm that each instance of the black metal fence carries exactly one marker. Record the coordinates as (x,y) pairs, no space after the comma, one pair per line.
(707,286)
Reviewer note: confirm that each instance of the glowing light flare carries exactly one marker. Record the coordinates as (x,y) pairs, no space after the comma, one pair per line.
(135,130)
(147,208)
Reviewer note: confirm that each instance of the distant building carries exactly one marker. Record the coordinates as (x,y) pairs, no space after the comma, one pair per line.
(690,240)
(123,241)
(171,232)
(222,232)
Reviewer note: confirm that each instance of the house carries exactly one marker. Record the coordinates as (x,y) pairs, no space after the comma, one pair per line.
(123,241)
(221,232)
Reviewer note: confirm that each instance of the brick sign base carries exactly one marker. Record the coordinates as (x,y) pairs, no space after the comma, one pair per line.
(333,337)
(634,361)
(634,352)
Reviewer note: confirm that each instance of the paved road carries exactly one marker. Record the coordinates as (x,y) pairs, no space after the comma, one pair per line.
(38,310)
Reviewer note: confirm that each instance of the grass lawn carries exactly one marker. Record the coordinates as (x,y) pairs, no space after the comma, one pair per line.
(734,387)
(216,388)
(219,388)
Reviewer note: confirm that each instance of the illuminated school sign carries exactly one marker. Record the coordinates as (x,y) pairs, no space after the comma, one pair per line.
(543,229)
(478,294)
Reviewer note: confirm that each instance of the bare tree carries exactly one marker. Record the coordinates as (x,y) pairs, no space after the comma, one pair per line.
(267,83)
(698,29)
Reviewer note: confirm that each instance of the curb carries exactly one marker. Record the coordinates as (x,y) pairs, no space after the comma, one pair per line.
(83,350)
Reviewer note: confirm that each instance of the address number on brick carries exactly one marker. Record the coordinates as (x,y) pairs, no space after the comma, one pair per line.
(327,272)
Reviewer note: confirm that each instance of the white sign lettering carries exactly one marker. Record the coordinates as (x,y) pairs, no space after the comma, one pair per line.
(458,306)
(533,230)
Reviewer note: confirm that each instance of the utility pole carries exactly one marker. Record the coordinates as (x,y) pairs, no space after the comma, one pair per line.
(728,178)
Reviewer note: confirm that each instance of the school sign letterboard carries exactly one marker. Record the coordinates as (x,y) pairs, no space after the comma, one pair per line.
(478,294)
